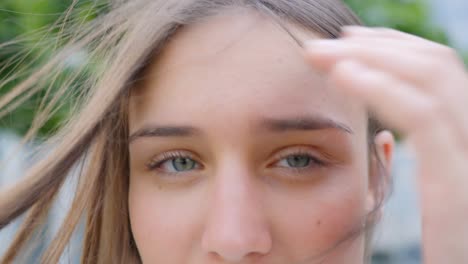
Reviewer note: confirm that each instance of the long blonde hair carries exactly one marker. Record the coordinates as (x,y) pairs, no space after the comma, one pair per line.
(121,42)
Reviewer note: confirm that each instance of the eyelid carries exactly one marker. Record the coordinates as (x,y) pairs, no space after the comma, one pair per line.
(168,155)
(282,154)
(298,150)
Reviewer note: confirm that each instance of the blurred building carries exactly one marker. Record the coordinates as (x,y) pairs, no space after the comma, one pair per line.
(398,237)
(11,169)
(452,15)
(14,159)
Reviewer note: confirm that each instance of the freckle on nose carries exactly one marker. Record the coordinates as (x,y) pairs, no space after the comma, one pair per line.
(319,222)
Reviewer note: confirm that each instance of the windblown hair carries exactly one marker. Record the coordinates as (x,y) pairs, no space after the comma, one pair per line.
(121,41)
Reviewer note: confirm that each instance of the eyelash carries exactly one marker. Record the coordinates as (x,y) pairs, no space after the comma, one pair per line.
(156,163)
(315,162)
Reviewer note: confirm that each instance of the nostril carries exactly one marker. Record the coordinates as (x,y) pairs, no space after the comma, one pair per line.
(253,256)
(236,227)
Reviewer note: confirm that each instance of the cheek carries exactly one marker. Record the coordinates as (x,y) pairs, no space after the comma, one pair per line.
(316,219)
(303,222)
(163,223)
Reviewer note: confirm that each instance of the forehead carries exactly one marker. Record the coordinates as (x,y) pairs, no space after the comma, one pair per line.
(237,64)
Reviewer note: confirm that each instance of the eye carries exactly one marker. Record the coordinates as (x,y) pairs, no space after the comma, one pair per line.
(179,164)
(296,161)
(299,160)
(300,164)
(174,162)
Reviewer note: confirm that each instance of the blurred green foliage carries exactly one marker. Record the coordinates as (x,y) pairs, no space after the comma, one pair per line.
(412,16)
(33,19)
(35,28)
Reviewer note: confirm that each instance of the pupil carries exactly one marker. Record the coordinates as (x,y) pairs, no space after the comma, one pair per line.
(298,161)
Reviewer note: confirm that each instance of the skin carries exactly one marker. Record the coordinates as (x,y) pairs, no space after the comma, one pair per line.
(243,86)
(428,83)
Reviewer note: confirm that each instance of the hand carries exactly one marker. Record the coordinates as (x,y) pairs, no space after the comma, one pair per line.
(421,89)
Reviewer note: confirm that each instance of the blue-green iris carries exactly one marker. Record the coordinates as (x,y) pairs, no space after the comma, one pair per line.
(298,161)
(183,164)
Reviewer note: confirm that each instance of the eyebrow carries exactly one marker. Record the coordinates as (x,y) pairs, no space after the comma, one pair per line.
(306,123)
(164,131)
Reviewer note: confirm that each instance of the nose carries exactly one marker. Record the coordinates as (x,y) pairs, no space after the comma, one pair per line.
(236,228)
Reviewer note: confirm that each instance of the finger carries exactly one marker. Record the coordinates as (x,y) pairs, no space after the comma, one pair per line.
(457,106)
(389,34)
(397,103)
(444,177)
(442,165)
(398,58)
(394,43)
(447,81)
(349,31)
(411,61)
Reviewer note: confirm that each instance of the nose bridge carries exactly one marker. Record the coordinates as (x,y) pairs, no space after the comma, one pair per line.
(235,199)
(236,225)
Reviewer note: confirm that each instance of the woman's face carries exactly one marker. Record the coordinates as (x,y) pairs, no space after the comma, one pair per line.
(240,152)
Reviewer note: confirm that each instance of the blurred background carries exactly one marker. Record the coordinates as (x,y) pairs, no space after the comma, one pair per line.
(398,237)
